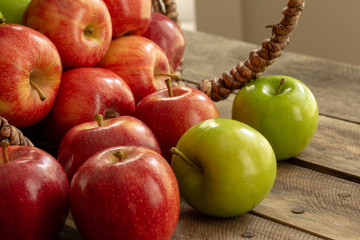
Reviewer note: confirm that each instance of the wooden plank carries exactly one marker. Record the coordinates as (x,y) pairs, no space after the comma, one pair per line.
(335,149)
(331,205)
(195,226)
(335,85)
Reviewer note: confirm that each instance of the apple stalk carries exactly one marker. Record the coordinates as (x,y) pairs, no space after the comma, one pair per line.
(119,156)
(280,86)
(169,87)
(177,152)
(38,89)
(170,75)
(4,145)
(88,31)
(99,119)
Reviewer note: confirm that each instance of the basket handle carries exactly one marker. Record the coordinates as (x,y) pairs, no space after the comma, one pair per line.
(219,88)
(13,134)
(169,9)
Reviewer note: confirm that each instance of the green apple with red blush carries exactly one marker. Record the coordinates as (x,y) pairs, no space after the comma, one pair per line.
(281,108)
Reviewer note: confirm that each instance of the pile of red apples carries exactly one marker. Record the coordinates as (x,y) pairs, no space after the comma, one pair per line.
(93,76)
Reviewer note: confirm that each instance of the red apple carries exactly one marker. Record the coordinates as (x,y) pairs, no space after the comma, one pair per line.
(170,116)
(125,192)
(139,62)
(81,30)
(84,92)
(167,35)
(33,194)
(86,139)
(30,73)
(129,16)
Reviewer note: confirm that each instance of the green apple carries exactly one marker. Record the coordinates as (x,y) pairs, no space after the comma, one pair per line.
(13,10)
(283,109)
(224,167)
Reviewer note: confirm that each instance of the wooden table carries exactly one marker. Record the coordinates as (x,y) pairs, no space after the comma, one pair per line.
(316,194)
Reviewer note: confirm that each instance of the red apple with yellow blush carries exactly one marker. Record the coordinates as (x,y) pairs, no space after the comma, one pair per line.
(140,62)
(80,30)
(83,93)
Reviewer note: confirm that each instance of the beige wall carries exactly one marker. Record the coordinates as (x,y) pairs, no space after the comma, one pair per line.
(327,28)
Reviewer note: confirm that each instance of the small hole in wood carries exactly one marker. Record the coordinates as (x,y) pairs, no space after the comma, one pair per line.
(247,235)
(344,195)
(297,210)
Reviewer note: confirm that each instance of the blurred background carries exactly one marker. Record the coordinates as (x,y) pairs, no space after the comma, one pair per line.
(327,28)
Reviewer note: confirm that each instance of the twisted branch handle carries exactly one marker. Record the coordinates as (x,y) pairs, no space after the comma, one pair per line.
(168,8)
(13,134)
(219,88)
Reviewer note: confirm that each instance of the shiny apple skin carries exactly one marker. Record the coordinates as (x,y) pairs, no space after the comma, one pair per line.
(238,167)
(136,198)
(170,117)
(34,195)
(129,17)
(86,139)
(136,60)
(83,93)
(64,23)
(168,36)
(26,54)
(288,119)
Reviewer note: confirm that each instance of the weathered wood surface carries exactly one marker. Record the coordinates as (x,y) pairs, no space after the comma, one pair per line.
(331,205)
(336,86)
(323,181)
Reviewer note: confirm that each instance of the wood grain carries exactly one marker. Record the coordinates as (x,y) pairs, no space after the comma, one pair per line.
(331,205)
(195,226)
(335,149)
(335,85)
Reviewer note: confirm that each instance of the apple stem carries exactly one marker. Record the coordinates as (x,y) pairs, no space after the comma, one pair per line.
(173,76)
(111,113)
(99,119)
(4,145)
(89,31)
(37,88)
(120,155)
(177,152)
(280,85)
(169,87)
(2,20)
